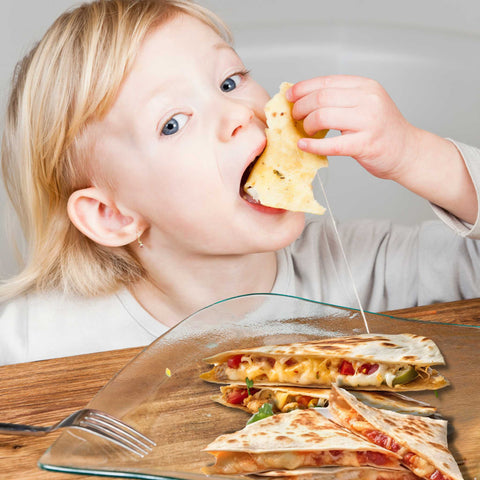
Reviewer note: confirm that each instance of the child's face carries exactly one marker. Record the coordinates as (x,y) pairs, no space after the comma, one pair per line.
(186,124)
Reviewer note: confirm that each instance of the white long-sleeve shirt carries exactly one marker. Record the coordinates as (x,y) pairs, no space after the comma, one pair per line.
(393,267)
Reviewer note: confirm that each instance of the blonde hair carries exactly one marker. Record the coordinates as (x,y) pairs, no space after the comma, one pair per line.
(70,78)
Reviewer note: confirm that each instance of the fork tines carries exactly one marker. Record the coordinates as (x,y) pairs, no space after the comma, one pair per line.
(118,432)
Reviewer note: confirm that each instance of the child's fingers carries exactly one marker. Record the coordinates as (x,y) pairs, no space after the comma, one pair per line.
(333,118)
(305,87)
(343,145)
(328,97)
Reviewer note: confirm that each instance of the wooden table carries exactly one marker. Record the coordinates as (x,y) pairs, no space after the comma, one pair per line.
(44,392)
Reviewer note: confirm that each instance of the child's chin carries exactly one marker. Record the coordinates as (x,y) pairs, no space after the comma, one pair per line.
(290,229)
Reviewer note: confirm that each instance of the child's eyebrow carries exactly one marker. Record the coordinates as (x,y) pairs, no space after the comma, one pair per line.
(219,46)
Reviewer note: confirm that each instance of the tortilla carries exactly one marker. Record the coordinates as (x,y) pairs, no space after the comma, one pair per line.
(339,473)
(420,441)
(297,439)
(399,362)
(283,174)
(395,402)
(285,399)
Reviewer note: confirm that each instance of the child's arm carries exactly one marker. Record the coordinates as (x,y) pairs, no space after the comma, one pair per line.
(375,133)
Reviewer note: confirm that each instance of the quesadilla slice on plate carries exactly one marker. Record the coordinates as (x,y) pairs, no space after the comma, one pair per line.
(297,439)
(421,442)
(340,473)
(282,399)
(399,362)
(286,398)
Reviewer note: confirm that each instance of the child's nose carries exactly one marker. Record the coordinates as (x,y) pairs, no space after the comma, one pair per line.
(236,116)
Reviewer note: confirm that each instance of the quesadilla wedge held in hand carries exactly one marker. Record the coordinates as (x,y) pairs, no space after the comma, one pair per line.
(421,442)
(282,176)
(285,399)
(399,362)
(297,439)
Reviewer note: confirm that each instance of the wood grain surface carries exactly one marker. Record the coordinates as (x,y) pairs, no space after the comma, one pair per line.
(46,391)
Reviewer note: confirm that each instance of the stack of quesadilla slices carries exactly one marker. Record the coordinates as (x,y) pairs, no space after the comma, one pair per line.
(357,440)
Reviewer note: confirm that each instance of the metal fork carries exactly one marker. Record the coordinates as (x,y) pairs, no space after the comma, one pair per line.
(95,421)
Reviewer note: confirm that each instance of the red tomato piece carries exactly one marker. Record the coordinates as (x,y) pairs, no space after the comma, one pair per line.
(346,368)
(382,440)
(234,362)
(237,396)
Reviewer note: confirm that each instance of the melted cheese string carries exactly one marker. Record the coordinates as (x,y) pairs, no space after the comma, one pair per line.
(329,208)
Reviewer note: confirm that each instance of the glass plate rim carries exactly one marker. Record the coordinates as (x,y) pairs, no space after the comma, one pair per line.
(415,320)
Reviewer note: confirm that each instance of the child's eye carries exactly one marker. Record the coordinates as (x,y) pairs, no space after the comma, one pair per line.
(174,124)
(231,83)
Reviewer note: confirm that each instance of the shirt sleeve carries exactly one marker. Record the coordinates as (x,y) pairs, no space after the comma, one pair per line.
(471,157)
(399,266)
(392,266)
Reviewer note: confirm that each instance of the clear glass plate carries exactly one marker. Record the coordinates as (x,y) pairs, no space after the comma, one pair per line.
(177,412)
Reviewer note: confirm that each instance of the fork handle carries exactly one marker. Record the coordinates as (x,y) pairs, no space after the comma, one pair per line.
(19,429)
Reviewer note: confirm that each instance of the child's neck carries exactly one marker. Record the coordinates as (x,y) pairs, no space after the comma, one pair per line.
(175,291)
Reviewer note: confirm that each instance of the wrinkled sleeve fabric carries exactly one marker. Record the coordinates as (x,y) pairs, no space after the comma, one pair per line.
(471,157)
(392,266)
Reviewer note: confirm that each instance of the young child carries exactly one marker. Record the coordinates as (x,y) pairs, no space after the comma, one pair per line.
(129,128)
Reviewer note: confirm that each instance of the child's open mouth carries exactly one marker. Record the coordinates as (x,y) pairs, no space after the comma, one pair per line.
(249,198)
(244,179)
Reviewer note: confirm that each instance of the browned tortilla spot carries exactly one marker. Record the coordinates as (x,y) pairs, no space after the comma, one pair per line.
(438,445)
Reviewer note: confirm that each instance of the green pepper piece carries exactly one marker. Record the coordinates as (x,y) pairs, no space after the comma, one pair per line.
(405,375)
(249,384)
(263,412)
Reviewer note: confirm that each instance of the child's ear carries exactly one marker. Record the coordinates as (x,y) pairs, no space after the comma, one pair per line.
(97,217)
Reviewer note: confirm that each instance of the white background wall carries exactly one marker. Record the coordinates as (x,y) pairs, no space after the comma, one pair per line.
(426,53)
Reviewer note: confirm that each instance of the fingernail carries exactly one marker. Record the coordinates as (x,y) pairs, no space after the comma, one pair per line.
(289,95)
(302,143)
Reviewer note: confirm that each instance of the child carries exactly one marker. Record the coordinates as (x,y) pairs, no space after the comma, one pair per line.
(129,128)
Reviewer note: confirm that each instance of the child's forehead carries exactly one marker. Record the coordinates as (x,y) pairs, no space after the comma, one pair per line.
(183,34)
(180,47)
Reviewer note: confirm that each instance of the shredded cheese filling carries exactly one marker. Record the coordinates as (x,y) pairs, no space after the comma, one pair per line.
(306,371)
(281,401)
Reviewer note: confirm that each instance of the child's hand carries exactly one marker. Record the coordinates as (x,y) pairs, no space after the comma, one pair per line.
(374,132)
